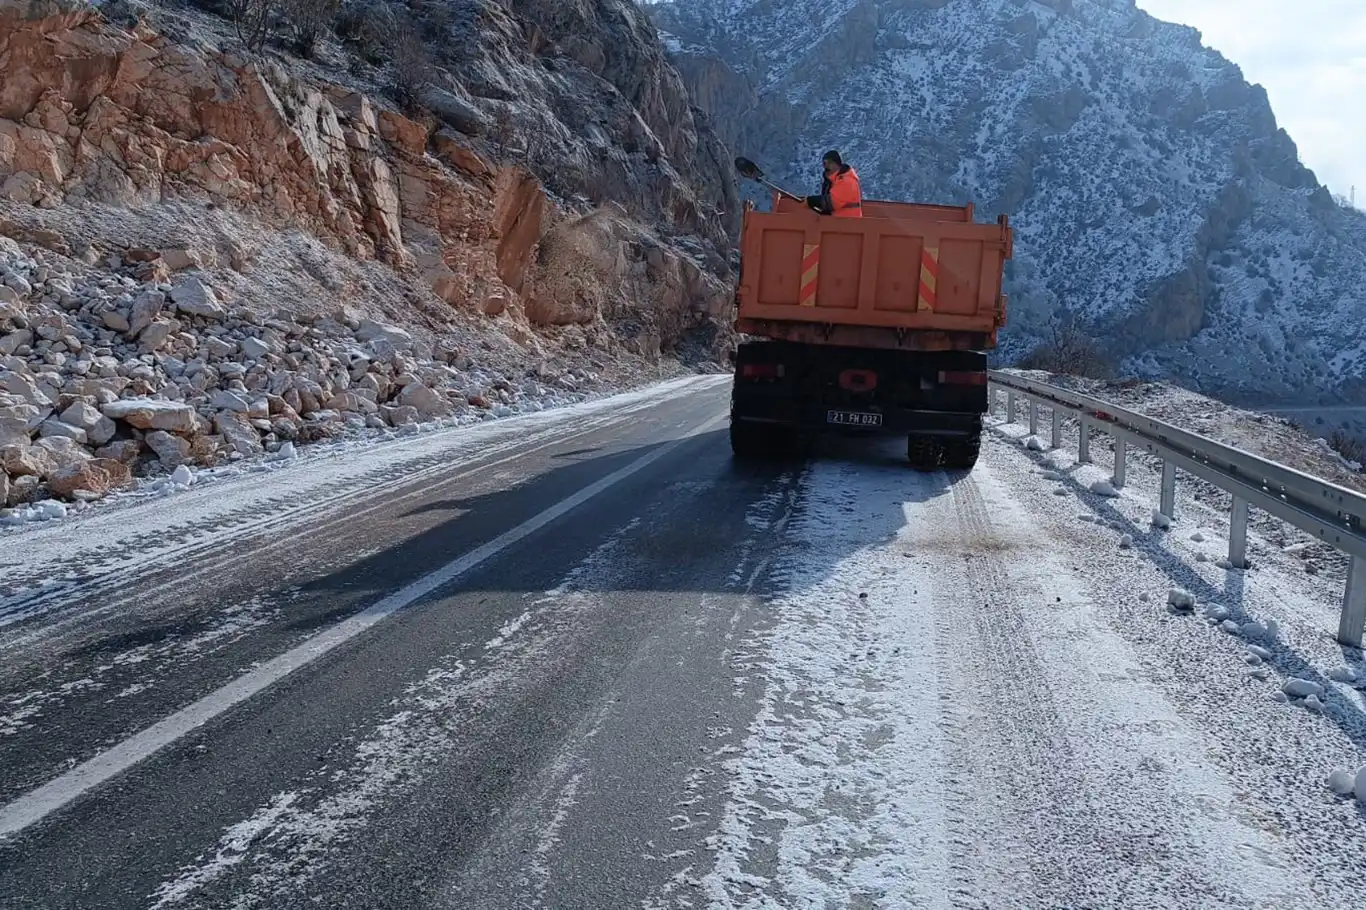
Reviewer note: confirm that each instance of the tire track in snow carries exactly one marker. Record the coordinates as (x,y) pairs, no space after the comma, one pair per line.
(1015,742)
(962,736)
(985,860)
(836,798)
(1112,802)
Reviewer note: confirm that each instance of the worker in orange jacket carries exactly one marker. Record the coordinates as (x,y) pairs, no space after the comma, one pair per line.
(840,195)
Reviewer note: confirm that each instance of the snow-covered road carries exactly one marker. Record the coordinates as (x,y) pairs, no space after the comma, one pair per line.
(967,704)
(586,660)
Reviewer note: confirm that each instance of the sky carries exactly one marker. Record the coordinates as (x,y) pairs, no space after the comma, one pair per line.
(1310,56)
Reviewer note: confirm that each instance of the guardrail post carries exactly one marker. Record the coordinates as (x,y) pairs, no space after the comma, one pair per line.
(1010,406)
(1084,442)
(1168,505)
(1121,457)
(1237,537)
(1033,417)
(1057,427)
(1352,628)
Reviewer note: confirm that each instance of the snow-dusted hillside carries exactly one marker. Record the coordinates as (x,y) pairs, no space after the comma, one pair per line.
(1154,196)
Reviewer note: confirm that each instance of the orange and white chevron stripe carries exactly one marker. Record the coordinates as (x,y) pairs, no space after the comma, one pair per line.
(811,268)
(929,278)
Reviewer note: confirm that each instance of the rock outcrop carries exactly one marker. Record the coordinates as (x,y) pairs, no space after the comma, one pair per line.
(208,252)
(129,117)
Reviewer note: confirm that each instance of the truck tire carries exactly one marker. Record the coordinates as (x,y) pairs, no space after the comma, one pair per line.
(748,440)
(924,452)
(961,454)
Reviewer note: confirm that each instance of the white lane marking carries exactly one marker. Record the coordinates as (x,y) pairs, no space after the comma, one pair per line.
(38,804)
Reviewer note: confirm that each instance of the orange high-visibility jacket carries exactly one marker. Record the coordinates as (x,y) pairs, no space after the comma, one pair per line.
(846,196)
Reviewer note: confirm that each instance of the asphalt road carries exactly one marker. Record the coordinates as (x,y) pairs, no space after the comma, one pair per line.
(433,758)
(585,659)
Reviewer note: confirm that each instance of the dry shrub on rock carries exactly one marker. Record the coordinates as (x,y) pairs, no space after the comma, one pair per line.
(307,22)
(1069,352)
(411,66)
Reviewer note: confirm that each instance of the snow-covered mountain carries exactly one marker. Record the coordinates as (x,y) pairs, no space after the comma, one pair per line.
(1156,201)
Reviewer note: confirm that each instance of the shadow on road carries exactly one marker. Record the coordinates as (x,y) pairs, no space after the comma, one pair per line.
(694,521)
(698,508)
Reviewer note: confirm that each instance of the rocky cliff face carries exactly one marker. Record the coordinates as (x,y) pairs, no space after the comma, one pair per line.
(442,208)
(1155,200)
(523,135)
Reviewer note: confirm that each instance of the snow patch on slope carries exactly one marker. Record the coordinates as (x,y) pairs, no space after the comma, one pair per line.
(1153,196)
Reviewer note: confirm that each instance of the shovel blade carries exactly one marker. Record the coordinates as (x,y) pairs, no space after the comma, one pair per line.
(748,169)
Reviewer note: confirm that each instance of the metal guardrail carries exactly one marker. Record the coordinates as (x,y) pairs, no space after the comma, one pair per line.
(1331,513)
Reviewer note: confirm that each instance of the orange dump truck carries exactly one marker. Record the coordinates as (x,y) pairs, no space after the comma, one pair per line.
(872,325)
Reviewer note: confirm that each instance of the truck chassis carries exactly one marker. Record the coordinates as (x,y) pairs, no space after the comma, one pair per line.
(786,390)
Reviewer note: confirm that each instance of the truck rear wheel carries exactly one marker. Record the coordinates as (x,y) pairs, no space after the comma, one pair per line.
(961,454)
(748,440)
(924,452)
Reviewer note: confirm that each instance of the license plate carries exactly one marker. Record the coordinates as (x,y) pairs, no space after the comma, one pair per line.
(854,419)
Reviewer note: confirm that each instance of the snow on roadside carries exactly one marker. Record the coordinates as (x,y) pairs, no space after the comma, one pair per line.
(1267,435)
(949,721)
(1197,540)
(349,440)
(1225,664)
(141,531)
(1125,741)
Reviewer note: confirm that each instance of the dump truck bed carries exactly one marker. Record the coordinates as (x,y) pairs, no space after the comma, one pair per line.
(909,276)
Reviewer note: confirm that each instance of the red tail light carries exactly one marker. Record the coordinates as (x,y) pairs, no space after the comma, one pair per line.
(858,380)
(962,377)
(762,370)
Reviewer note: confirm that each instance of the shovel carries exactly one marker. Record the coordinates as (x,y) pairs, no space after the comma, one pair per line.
(751,171)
